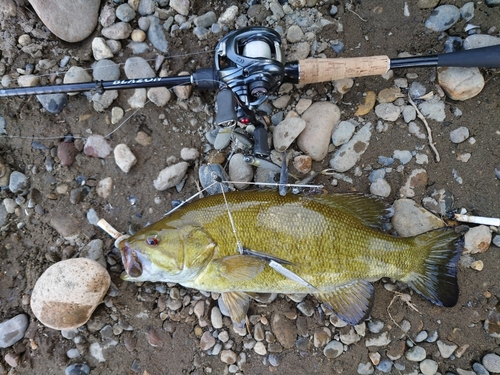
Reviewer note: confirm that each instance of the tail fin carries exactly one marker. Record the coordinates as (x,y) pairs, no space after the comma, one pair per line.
(436,279)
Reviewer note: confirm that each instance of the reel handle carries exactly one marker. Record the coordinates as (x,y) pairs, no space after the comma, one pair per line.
(324,70)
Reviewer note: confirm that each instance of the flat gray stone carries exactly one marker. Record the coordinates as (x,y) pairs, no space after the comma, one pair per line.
(442,18)
(70,20)
(12,330)
(348,155)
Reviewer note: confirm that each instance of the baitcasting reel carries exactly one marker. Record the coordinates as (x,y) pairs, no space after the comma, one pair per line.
(249,63)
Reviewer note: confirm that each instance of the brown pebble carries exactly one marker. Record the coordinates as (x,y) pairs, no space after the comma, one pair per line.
(368,105)
(216,157)
(154,338)
(66,152)
(12,359)
(389,95)
(130,342)
(302,163)
(143,138)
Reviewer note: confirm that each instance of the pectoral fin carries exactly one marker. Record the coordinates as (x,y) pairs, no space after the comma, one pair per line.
(351,302)
(237,303)
(239,267)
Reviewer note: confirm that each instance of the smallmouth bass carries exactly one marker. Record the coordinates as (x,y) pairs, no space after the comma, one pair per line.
(329,241)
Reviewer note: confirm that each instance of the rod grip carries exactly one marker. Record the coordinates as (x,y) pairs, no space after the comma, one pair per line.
(324,70)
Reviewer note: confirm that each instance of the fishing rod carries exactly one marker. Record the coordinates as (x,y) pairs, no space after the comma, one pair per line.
(250,64)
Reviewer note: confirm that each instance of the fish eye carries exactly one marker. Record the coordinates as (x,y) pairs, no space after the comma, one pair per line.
(152,240)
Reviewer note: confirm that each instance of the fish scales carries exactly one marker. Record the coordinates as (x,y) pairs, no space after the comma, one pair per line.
(330,242)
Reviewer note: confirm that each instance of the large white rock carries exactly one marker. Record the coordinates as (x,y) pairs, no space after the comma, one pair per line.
(460,83)
(70,20)
(170,176)
(68,292)
(287,131)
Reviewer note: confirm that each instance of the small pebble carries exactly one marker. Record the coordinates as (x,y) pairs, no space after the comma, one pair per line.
(77,369)
(416,354)
(491,362)
(459,135)
(124,157)
(428,367)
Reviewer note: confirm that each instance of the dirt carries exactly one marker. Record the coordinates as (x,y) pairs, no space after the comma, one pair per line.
(26,250)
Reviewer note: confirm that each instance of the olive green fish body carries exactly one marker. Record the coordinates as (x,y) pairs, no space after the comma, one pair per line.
(329,241)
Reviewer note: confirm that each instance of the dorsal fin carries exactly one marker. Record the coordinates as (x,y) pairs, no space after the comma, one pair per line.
(370,210)
(351,302)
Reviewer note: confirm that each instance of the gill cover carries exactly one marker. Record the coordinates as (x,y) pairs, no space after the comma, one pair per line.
(174,255)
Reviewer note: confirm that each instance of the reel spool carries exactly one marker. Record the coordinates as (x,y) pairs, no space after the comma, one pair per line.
(250,62)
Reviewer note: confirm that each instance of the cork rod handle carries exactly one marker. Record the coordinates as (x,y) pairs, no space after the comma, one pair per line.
(324,70)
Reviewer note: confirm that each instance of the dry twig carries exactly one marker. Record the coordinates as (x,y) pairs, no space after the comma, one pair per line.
(427,127)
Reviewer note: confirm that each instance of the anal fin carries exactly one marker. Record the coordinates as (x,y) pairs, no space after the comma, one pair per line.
(351,302)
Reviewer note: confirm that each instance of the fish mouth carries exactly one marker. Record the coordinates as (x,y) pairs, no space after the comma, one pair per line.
(131,262)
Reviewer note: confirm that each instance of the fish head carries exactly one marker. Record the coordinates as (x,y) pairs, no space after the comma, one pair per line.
(166,254)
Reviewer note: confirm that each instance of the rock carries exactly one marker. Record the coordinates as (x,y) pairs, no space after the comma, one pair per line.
(333,349)
(343,86)
(388,111)
(433,109)
(491,362)
(100,49)
(459,135)
(427,4)
(477,240)
(77,369)
(348,155)
(480,40)
(104,187)
(321,337)
(183,92)
(97,146)
(170,176)
(446,350)
(467,11)
(94,251)
(124,157)
(207,341)
(116,116)
(343,132)
(206,20)
(61,303)
(409,113)
(228,356)
(228,16)
(320,118)
(367,106)
(146,7)
(492,323)
(136,67)
(384,366)
(294,34)
(389,95)
(281,102)
(70,20)
(18,182)
(404,156)
(417,90)
(156,35)
(66,152)
(461,83)
(206,175)
(117,31)
(260,348)
(411,219)
(302,105)
(442,18)
(380,187)
(124,13)
(286,132)
(216,318)
(138,99)
(12,359)
(142,138)
(75,74)
(415,130)
(302,163)
(428,367)
(105,70)
(103,101)
(284,329)
(107,16)
(416,354)
(159,95)
(180,6)
(240,171)
(189,154)
(53,103)
(381,340)
(12,330)
(365,368)
(28,80)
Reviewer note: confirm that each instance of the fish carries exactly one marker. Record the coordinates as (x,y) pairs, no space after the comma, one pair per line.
(245,243)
